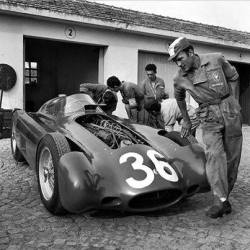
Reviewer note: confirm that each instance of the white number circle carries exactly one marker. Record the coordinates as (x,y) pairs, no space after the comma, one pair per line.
(70,32)
(160,166)
(138,165)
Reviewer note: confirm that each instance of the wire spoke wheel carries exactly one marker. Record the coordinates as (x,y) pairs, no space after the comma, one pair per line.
(46,173)
(50,149)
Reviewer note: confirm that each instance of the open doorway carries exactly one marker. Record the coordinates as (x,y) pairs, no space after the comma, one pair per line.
(244,73)
(53,68)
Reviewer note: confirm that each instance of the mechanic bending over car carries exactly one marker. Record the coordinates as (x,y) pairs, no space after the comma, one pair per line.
(153,88)
(213,83)
(101,94)
(131,94)
(170,113)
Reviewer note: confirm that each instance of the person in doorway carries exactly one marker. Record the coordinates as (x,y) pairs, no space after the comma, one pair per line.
(131,94)
(170,113)
(101,94)
(213,83)
(153,88)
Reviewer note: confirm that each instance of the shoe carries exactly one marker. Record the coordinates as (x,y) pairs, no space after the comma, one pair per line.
(219,210)
(227,207)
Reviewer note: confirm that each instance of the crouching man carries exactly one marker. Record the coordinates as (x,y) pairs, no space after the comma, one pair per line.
(101,94)
(170,113)
(132,96)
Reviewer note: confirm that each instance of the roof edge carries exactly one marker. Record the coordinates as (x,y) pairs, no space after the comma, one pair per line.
(114,25)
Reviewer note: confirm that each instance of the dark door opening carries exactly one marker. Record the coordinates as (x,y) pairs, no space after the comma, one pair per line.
(53,68)
(244,90)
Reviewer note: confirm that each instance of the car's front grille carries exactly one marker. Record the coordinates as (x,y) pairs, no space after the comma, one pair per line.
(155,199)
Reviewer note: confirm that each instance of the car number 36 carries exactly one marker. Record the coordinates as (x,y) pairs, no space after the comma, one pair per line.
(162,167)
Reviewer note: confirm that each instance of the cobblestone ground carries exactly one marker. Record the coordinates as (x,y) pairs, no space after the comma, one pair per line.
(26,224)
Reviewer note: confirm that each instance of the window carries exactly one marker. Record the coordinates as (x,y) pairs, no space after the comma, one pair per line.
(31,73)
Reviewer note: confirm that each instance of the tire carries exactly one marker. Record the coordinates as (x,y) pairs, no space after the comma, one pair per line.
(17,155)
(50,149)
(182,141)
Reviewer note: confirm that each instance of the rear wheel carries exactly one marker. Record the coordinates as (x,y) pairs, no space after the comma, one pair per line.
(17,155)
(50,149)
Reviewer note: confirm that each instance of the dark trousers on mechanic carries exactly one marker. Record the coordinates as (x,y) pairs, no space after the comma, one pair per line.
(222,135)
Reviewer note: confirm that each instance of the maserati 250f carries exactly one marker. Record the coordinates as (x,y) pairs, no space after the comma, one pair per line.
(85,159)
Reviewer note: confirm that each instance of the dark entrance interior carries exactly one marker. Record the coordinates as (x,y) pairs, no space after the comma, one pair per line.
(53,68)
(244,73)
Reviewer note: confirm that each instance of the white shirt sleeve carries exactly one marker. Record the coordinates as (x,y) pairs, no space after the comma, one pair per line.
(170,111)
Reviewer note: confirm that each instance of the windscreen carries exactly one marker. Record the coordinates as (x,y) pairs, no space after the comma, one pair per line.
(67,105)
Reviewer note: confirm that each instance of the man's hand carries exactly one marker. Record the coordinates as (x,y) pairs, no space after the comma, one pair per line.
(186,128)
(125,101)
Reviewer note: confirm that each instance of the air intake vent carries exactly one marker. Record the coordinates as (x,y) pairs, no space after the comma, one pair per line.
(155,199)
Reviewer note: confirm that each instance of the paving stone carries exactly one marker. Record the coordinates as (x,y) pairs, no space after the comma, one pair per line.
(14,247)
(59,241)
(26,224)
(4,240)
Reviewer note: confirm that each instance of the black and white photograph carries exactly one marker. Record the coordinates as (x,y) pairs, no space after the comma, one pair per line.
(124,124)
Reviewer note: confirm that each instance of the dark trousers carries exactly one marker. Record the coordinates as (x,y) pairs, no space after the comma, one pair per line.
(222,135)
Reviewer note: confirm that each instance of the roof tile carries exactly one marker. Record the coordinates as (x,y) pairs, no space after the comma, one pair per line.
(131,17)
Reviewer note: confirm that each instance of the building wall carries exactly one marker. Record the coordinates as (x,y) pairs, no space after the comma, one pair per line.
(120,53)
(11,52)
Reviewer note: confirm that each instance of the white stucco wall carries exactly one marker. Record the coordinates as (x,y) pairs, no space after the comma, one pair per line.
(120,53)
(117,61)
(11,53)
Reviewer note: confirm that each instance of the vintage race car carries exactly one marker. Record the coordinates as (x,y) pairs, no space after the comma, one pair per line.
(85,159)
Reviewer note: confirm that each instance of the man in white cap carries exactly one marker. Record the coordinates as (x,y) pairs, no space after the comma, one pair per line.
(213,83)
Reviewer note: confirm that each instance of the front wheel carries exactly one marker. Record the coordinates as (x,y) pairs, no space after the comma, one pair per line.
(49,152)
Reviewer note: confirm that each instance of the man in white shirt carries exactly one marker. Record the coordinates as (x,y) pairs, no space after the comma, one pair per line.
(170,113)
